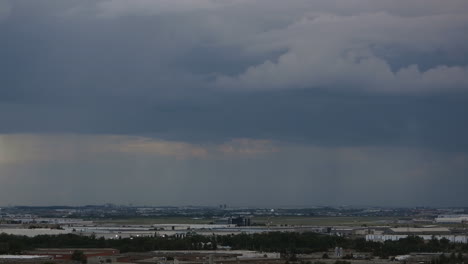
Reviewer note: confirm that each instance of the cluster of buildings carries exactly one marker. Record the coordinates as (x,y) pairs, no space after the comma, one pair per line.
(426,233)
(109,255)
(31,226)
(452,219)
(206,212)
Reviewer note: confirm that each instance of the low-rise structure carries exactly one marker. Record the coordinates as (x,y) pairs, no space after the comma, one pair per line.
(452,219)
(93,255)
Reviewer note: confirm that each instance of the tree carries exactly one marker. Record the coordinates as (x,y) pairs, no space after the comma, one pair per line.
(342,262)
(78,255)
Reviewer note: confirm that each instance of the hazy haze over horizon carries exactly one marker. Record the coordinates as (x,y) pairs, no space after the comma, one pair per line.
(238,102)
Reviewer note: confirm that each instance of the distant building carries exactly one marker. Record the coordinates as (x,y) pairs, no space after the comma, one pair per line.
(388,237)
(452,219)
(338,252)
(23,258)
(240,221)
(237,221)
(94,255)
(222,221)
(419,230)
(426,233)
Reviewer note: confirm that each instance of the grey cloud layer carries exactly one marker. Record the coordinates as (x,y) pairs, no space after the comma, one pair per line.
(206,95)
(167,66)
(346,51)
(169,172)
(110,46)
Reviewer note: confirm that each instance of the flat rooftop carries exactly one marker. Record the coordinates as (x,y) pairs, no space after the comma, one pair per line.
(420,230)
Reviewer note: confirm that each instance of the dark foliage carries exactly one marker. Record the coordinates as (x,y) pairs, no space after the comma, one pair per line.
(78,255)
(288,244)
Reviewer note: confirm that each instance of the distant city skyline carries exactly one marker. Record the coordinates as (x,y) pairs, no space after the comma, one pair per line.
(262,103)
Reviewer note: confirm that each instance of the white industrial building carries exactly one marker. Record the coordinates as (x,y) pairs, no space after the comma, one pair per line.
(452,219)
(392,237)
(426,233)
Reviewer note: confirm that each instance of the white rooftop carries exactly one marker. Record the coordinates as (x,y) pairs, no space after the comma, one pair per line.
(21,256)
(419,229)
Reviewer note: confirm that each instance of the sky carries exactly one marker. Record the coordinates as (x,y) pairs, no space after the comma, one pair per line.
(240,102)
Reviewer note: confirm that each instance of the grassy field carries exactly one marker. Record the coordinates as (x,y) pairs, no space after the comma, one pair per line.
(155,220)
(281,220)
(324,221)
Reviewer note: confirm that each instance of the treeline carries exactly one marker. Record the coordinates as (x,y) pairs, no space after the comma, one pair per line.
(303,243)
(286,243)
(405,246)
(12,244)
(282,242)
(452,259)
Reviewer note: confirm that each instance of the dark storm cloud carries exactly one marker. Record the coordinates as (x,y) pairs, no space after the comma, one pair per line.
(158,68)
(330,94)
(305,116)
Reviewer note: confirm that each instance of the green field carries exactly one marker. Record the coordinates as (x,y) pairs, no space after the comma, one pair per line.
(325,221)
(153,220)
